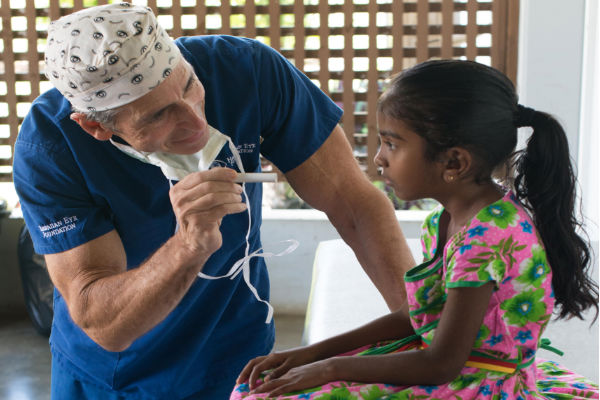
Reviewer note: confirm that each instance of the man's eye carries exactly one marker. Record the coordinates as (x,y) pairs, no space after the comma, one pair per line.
(157,116)
(193,83)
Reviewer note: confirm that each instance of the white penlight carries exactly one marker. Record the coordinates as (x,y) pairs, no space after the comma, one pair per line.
(251,177)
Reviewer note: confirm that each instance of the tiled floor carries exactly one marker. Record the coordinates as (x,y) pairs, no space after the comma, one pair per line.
(24,361)
(25,356)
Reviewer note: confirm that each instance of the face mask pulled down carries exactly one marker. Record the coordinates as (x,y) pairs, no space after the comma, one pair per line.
(175,167)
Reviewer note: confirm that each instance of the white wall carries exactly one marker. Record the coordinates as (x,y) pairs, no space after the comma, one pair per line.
(589,144)
(291,274)
(557,73)
(550,60)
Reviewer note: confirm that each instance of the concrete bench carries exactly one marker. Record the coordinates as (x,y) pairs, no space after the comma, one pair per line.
(342,297)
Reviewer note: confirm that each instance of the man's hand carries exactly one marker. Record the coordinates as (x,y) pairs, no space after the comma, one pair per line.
(200,201)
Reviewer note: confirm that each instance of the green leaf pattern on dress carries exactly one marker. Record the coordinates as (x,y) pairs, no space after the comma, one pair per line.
(431,290)
(525,307)
(501,214)
(534,269)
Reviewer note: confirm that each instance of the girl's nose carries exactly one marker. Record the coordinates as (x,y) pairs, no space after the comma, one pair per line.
(379,159)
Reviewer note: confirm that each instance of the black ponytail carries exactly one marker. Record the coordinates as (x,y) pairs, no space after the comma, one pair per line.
(546,185)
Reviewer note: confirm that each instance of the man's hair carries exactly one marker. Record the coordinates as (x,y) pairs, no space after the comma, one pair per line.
(106,117)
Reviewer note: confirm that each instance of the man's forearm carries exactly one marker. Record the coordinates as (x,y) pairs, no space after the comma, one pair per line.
(368,224)
(118,308)
(331,181)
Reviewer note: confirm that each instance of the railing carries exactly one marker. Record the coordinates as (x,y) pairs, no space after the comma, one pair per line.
(347,47)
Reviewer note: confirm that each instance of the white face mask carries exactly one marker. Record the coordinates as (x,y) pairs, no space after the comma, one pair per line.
(175,167)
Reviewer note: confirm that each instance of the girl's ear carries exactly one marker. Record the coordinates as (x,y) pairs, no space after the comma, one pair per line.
(457,164)
(94,128)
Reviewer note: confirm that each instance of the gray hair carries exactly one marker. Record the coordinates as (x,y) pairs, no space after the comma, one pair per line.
(106,117)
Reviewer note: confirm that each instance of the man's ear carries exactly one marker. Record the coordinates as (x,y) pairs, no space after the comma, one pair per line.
(94,128)
(457,164)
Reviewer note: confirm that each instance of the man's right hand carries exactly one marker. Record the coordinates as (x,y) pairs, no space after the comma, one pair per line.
(200,201)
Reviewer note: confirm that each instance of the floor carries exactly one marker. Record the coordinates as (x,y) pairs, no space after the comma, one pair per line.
(25,356)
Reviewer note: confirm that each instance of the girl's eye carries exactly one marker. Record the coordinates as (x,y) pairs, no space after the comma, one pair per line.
(389,145)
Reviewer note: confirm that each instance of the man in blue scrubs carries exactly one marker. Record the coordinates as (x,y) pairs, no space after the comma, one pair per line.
(124,245)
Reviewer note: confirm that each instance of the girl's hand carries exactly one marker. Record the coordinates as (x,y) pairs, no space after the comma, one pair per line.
(279,362)
(303,377)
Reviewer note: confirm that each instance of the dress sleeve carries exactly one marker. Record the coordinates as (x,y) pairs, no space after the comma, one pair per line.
(57,206)
(297,116)
(499,245)
(429,234)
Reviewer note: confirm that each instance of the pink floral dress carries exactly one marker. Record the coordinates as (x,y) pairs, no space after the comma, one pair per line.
(500,245)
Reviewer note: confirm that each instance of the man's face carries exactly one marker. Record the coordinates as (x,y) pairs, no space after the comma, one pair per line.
(168,119)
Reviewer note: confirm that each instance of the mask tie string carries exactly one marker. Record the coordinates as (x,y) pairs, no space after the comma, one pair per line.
(243,264)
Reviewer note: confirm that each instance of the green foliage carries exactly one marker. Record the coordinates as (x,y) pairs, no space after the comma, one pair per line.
(284,197)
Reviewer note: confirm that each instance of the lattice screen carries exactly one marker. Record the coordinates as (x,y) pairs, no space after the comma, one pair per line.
(347,47)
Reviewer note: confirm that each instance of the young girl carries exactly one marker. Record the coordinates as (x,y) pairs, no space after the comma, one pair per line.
(498,260)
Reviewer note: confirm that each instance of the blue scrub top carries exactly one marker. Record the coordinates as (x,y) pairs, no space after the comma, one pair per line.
(74,188)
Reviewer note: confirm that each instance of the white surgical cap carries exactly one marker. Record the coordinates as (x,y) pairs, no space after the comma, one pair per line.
(104,57)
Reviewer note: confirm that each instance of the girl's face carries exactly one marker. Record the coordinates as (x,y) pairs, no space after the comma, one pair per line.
(401,159)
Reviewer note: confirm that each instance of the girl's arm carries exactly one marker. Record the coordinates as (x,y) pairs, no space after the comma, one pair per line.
(391,326)
(439,363)
(395,325)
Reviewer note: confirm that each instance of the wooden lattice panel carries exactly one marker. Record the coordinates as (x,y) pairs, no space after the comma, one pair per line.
(349,48)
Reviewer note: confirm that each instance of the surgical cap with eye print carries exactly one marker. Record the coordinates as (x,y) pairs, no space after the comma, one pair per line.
(104,57)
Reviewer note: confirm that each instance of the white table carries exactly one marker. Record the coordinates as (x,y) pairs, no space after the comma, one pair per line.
(342,296)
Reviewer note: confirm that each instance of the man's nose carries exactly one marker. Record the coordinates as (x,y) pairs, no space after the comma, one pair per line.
(192,116)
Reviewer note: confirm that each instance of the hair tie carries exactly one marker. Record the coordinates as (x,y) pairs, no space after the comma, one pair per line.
(524,116)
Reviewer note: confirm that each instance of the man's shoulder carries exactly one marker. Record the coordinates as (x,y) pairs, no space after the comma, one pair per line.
(215,51)
(51,104)
(43,124)
(215,43)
